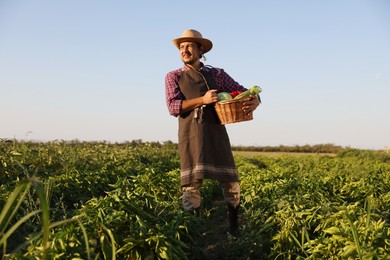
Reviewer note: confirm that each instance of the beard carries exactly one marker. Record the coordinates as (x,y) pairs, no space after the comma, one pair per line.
(189,59)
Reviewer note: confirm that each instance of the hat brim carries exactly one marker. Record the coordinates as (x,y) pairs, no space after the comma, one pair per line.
(206,43)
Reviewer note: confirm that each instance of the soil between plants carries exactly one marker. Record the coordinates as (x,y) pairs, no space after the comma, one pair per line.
(216,242)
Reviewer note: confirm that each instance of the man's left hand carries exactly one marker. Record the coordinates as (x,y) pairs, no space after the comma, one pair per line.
(251,105)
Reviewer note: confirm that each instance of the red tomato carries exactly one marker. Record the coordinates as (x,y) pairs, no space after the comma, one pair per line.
(235,93)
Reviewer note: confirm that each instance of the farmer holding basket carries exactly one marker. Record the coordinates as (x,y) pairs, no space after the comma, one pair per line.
(204,146)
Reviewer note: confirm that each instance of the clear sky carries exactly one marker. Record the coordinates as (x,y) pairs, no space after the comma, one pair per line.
(94,70)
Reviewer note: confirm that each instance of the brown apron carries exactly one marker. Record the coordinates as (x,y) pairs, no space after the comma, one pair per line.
(204,145)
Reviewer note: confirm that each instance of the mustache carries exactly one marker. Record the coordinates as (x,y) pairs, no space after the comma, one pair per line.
(186,53)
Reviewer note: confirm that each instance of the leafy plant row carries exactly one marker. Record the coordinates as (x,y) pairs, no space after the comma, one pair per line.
(318,207)
(78,200)
(105,200)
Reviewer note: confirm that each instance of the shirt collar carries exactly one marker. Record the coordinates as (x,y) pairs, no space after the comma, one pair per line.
(202,67)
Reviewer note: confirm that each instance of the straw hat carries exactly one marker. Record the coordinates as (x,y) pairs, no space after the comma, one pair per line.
(193,36)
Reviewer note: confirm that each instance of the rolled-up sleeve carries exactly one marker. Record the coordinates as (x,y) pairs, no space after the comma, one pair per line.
(173,95)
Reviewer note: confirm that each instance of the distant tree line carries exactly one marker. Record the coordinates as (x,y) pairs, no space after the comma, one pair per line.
(318,148)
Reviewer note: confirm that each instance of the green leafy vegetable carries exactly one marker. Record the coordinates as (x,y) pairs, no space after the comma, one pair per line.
(255,90)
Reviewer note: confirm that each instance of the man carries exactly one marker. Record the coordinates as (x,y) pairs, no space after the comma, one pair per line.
(204,145)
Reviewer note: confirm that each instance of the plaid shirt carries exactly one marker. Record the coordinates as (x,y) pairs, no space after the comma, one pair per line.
(174,97)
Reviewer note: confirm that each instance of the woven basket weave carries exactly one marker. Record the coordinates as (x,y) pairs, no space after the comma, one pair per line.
(230,111)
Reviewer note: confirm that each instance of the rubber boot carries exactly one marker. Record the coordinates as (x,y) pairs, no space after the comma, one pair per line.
(233,220)
(195,212)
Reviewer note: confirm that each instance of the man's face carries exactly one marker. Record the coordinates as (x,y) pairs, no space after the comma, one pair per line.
(189,52)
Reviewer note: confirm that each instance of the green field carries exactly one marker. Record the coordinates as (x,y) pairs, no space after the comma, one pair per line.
(76,200)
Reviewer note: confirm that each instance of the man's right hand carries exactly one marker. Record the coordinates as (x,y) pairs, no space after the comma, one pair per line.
(211,96)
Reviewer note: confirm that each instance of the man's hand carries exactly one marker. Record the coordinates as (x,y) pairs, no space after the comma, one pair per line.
(211,96)
(251,105)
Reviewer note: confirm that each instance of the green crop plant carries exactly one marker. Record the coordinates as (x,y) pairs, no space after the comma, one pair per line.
(79,200)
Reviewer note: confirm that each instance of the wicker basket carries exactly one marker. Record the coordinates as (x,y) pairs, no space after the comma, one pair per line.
(230,111)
